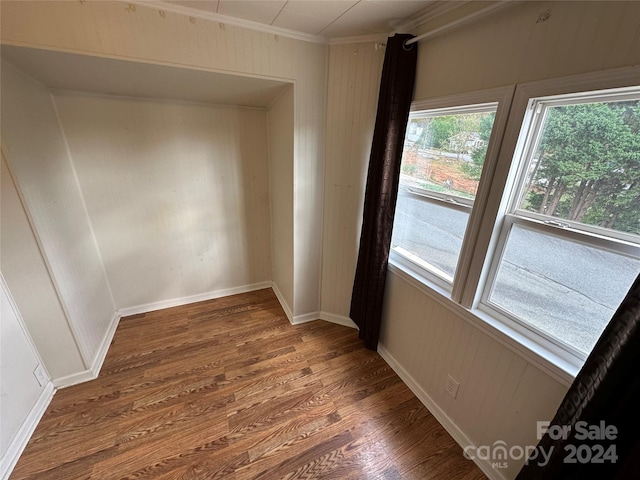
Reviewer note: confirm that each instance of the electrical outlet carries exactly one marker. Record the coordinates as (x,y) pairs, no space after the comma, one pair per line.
(452,386)
(41,375)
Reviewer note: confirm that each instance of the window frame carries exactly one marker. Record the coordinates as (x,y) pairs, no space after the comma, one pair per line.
(491,218)
(473,102)
(619,243)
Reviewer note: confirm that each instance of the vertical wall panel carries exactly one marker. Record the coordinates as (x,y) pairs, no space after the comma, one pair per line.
(19,389)
(280,127)
(354,79)
(513,46)
(26,274)
(308,179)
(36,150)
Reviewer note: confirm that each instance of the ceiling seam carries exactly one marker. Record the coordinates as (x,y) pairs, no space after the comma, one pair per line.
(338,18)
(279,12)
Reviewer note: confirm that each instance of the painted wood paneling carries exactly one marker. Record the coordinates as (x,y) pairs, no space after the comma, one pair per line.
(112,29)
(501,396)
(280,127)
(515,45)
(19,388)
(26,274)
(178,193)
(23,398)
(37,154)
(353,84)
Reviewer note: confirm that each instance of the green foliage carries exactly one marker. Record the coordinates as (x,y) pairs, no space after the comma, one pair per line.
(437,131)
(589,165)
(474,170)
(409,169)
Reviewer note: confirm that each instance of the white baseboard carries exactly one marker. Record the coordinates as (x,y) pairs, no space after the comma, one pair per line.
(283,302)
(73,379)
(458,435)
(19,442)
(101,354)
(98,359)
(310,317)
(339,319)
(175,302)
(307,317)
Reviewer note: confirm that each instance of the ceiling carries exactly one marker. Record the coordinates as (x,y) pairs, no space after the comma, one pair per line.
(322,18)
(68,71)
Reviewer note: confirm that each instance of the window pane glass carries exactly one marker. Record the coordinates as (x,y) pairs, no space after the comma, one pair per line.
(585,167)
(433,233)
(445,153)
(442,159)
(572,299)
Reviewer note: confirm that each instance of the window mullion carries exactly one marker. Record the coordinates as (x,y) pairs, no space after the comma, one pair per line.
(488,202)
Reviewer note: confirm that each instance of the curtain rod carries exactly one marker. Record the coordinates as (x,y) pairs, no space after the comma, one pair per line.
(457,22)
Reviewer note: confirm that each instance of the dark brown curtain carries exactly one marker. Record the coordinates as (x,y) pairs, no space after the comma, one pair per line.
(606,392)
(394,102)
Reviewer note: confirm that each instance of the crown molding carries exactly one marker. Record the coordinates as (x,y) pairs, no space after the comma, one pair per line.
(227,20)
(373,38)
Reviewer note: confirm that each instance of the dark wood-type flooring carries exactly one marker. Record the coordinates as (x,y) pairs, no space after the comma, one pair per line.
(229,389)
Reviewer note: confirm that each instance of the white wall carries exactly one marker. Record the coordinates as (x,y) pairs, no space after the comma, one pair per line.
(353,84)
(178,193)
(22,398)
(281,137)
(109,29)
(512,46)
(26,274)
(37,154)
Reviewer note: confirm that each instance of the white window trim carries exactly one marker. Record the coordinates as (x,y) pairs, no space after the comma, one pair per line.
(492,202)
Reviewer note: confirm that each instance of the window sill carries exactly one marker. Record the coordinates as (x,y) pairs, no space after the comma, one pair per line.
(539,355)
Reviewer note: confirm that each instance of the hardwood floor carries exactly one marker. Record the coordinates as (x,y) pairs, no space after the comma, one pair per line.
(229,389)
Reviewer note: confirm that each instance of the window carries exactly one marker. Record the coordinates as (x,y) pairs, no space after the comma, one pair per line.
(570,245)
(522,207)
(443,156)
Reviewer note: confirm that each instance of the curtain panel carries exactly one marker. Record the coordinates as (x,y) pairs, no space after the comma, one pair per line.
(394,103)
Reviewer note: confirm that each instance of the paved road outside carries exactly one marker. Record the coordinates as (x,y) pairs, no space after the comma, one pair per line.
(567,289)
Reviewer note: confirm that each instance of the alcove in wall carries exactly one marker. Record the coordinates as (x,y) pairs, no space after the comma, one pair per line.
(145,186)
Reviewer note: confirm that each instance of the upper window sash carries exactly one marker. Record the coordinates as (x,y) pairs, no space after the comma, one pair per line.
(529,142)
